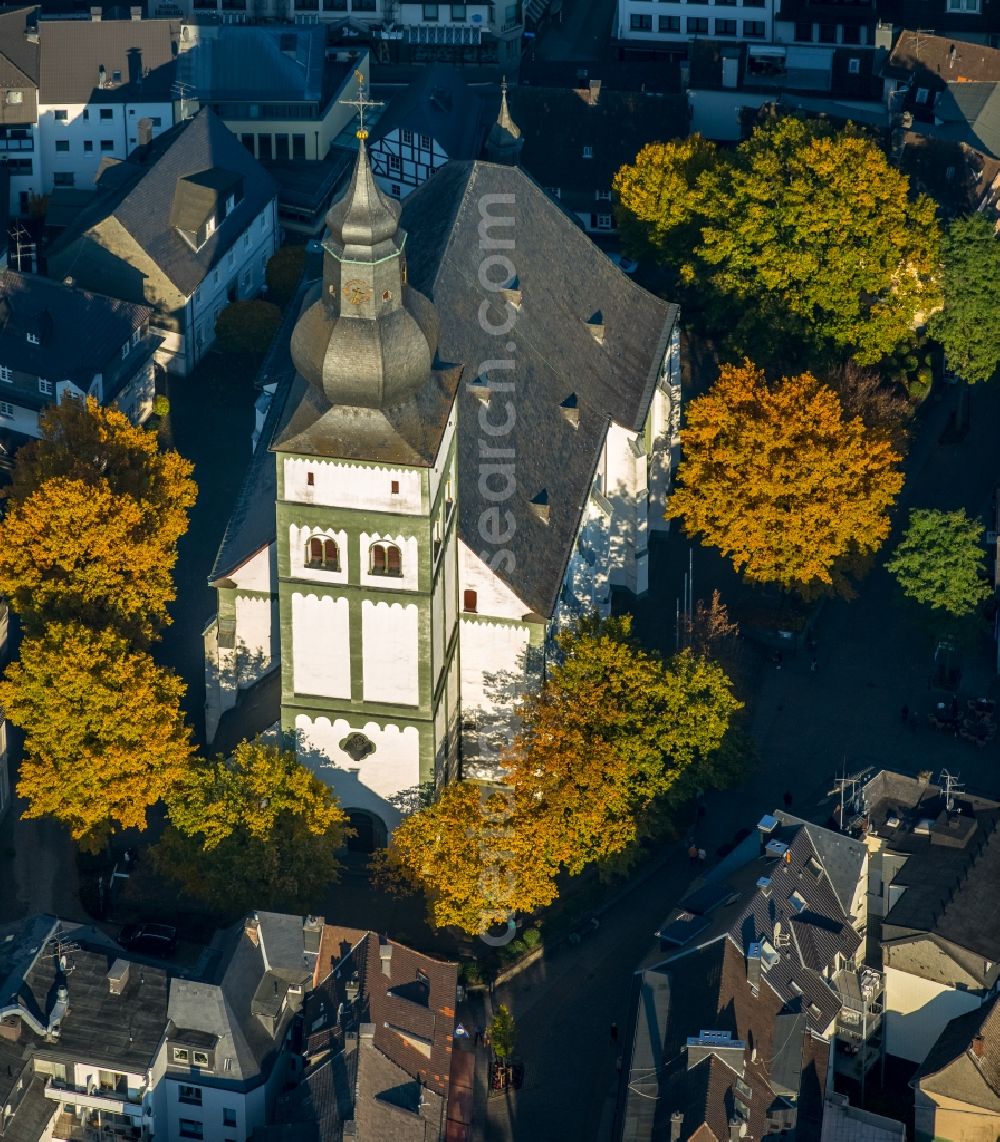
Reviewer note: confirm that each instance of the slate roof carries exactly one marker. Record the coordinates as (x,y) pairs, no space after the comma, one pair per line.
(79,332)
(970,113)
(251,63)
(556,124)
(142,52)
(391,1105)
(934,16)
(141,201)
(441,104)
(774,1065)
(565,281)
(952,1067)
(18,54)
(843,857)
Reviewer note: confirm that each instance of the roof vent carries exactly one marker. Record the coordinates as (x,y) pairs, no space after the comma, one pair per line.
(570,409)
(512,292)
(595,323)
(892,822)
(776,849)
(764,884)
(676,1125)
(480,389)
(540,506)
(385,957)
(118,976)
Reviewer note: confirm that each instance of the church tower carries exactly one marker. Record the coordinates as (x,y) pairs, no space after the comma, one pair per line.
(367,552)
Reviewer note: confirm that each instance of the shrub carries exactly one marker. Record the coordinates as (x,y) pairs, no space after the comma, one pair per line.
(284,272)
(247,327)
(161,406)
(532,938)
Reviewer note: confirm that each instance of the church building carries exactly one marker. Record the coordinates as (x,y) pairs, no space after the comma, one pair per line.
(472,444)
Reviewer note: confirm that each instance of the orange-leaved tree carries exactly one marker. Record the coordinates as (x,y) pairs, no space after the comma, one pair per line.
(782,482)
(104,735)
(95,512)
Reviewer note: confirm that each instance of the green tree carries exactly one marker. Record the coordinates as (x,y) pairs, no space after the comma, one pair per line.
(940,561)
(284,272)
(969,326)
(95,513)
(781,482)
(805,234)
(255,829)
(104,734)
(247,327)
(503,1033)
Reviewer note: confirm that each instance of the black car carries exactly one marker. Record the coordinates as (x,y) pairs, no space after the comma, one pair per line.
(151,939)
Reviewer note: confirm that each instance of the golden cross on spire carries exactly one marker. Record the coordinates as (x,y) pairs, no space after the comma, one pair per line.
(362,103)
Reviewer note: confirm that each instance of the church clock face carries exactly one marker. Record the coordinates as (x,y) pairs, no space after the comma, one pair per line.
(357,292)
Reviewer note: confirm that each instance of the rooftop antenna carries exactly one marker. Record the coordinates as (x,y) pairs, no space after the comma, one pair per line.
(949,783)
(363,103)
(183,92)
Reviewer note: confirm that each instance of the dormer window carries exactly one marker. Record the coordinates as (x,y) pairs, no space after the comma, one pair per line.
(33,339)
(209,226)
(200,1058)
(588,152)
(230,204)
(181,1055)
(125,349)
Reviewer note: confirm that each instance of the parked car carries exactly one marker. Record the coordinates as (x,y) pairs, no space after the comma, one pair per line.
(626,265)
(151,939)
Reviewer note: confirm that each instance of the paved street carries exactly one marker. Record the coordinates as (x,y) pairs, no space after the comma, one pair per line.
(871,659)
(581,34)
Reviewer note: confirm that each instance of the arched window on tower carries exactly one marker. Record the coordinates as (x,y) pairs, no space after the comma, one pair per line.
(323,553)
(386,559)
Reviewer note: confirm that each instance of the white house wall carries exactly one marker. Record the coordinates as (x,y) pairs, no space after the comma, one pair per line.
(250,1108)
(321,626)
(917,1011)
(256,623)
(17,419)
(390,652)
(493,596)
(259,572)
(84,124)
(415,162)
(372,784)
(661,34)
(350,486)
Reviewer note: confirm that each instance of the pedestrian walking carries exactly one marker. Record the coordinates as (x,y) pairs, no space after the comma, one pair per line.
(479,1035)
(702,857)
(614,1032)
(692,854)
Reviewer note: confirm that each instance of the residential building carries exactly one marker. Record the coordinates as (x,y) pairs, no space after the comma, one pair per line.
(275,87)
(932,848)
(58,341)
(363,530)
(19,136)
(957,1087)
(573,142)
(185,226)
(98,81)
(381,1021)
(973,21)
(641,26)
(845,1123)
(80,1028)
(850,23)
(435,118)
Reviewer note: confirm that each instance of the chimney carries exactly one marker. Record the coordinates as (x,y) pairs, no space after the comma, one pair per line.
(385,957)
(730,71)
(136,13)
(595,323)
(737,1129)
(883,36)
(595,92)
(978,1044)
(540,506)
(570,409)
(676,1125)
(145,132)
(755,965)
(95,15)
(118,977)
(251,930)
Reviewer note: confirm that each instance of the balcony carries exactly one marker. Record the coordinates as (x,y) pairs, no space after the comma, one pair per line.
(107,1100)
(66,1128)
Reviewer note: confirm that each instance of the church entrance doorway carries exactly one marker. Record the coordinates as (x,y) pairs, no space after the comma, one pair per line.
(370,832)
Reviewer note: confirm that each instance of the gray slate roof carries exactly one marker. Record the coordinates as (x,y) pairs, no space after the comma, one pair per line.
(441,104)
(142,198)
(239,62)
(565,280)
(142,52)
(78,332)
(951,1068)
(970,113)
(18,54)
(843,857)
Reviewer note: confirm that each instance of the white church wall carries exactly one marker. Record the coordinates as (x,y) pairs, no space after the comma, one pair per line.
(408,547)
(321,660)
(625,487)
(438,634)
(259,572)
(488,648)
(374,782)
(390,652)
(665,434)
(493,596)
(350,486)
(438,471)
(298,537)
(255,625)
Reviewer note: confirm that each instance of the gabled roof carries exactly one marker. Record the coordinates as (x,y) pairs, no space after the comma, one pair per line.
(141,53)
(565,283)
(970,113)
(78,332)
(953,1066)
(843,857)
(934,61)
(441,104)
(18,54)
(142,197)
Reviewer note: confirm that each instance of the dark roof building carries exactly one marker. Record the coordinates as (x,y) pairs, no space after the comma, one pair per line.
(18,66)
(977,20)
(107,61)
(438,103)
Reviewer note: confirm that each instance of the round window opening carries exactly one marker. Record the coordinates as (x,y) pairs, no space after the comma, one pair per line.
(357,746)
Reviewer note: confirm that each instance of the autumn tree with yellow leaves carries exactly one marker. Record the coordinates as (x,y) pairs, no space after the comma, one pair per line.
(104,735)
(805,234)
(256,829)
(94,515)
(613,729)
(782,483)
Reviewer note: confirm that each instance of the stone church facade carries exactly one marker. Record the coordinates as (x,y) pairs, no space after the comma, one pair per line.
(430,500)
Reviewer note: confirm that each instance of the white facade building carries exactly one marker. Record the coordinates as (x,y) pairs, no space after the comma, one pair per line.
(669,25)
